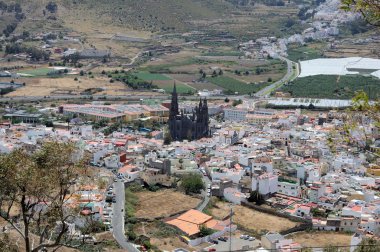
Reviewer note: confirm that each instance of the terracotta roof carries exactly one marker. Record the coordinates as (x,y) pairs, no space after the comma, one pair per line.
(186,227)
(194,216)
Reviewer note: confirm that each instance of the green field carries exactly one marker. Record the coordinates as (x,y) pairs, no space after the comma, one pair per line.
(334,87)
(147,76)
(219,53)
(308,52)
(232,85)
(181,88)
(38,71)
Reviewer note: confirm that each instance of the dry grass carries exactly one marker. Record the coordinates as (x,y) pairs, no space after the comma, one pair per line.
(321,239)
(166,202)
(251,219)
(45,86)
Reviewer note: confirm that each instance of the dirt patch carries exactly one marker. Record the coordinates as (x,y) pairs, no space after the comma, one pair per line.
(251,219)
(167,202)
(321,239)
(47,86)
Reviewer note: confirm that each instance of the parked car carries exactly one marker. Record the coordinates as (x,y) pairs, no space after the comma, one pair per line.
(251,238)
(211,250)
(208,194)
(245,237)
(214,241)
(222,239)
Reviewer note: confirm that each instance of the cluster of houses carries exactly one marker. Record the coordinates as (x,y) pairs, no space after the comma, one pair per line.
(287,159)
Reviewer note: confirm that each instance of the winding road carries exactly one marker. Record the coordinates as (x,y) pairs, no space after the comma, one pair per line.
(289,76)
(118,219)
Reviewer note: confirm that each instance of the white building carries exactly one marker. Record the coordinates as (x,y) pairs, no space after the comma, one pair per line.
(266,183)
(234,114)
(112,162)
(233,195)
(289,188)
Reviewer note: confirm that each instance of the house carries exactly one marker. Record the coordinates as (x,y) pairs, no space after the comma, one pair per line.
(289,187)
(129,172)
(158,172)
(94,53)
(234,195)
(218,187)
(191,221)
(277,242)
(266,184)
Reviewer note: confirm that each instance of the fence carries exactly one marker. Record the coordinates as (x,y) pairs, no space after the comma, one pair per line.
(213,236)
(298,228)
(274,212)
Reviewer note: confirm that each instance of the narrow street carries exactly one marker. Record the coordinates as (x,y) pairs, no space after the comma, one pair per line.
(118,218)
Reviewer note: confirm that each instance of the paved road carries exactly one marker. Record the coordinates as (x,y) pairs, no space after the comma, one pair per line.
(288,76)
(130,97)
(206,199)
(118,218)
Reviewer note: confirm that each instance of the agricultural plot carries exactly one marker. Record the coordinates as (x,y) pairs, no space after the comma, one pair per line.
(37,72)
(333,86)
(309,52)
(163,81)
(233,85)
(168,86)
(147,76)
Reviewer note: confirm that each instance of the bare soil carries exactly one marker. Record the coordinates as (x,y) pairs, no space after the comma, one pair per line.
(163,203)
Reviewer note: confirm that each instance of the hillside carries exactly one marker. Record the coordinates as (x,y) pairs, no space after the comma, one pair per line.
(142,18)
(142,15)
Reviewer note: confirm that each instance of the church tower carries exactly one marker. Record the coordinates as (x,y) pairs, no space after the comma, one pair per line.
(173,113)
(182,126)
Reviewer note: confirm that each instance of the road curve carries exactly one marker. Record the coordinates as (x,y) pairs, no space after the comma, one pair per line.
(288,76)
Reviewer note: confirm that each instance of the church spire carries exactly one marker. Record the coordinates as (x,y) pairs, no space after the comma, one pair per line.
(174,111)
(175,88)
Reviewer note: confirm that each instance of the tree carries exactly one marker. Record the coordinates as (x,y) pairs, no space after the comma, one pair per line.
(81,73)
(369,9)
(192,183)
(289,23)
(226,100)
(368,245)
(205,231)
(237,102)
(49,124)
(39,184)
(330,248)
(52,7)
(180,161)
(167,138)
(256,197)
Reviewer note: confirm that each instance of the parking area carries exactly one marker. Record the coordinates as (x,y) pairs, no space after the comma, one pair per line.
(236,244)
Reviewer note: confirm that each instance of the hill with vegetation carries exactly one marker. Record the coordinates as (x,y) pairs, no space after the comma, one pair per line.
(143,18)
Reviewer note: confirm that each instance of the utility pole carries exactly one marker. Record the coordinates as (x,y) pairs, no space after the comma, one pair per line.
(230,227)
